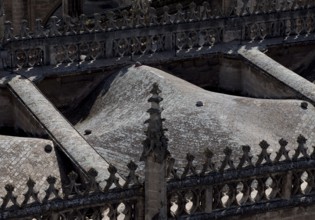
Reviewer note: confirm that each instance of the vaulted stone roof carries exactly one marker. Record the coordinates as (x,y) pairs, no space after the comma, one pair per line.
(115,115)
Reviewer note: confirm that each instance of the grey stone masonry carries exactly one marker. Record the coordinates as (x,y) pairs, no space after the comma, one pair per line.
(153,34)
(154,154)
(60,130)
(26,158)
(272,68)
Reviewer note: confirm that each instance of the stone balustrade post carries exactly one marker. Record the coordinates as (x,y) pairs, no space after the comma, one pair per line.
(54,216)
(154,154)
(109,47)
(169,42)
(220,6)
(139,209)
(208,199)
(287,185)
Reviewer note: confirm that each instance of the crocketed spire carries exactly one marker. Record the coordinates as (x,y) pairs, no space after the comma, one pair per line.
(156,143)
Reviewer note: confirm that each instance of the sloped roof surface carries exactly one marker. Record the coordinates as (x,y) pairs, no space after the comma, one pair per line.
(118,111)
(24,158)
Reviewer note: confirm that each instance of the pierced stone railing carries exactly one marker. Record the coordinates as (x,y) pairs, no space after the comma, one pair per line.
(254,185)
(138,34)
(78,199)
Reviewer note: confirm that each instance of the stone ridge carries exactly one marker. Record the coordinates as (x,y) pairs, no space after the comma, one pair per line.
(68,139)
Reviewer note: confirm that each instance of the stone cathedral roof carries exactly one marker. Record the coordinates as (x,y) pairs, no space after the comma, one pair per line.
(22,159)
(115,115)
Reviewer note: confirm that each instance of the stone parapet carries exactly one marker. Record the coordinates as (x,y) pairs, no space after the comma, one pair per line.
(126,35)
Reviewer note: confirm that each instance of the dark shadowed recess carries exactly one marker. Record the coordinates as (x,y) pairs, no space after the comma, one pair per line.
(11,131)
(298,58)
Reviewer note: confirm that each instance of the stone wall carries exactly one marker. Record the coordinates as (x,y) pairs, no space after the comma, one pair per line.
(270,69)
(230,75)
(256,83)
(67,92)
(15,116)
(5,108)
(17,10)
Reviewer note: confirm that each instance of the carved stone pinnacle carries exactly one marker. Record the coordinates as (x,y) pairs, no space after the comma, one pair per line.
(301,139)
(263,144)
(156,143)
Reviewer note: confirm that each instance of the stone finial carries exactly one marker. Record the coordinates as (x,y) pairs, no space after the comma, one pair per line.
(53,29)
(9,197)
(227,162)
(113,180)
(166,16)
(92,184)
(97,24)
(301,149)
(141,5)
(208,164)
(156,143)
(190,168)
(282,151)
(31,193)
(39,29)
(153,18)
(246,159)
(8,31)
(193,14)
(180,14)
(301,139)
(264,155)
(170,170)
(51,191)
(111,23)
(132,178)
(74,187)
(68,26)
(82,24)
(24,31)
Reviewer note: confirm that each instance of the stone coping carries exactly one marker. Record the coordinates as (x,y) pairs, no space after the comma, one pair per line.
(61,131)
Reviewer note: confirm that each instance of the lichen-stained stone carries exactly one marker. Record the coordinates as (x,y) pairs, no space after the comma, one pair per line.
(24,158)
(116,114)
(61,131)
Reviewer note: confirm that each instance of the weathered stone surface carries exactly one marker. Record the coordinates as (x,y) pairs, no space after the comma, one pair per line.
(71,142)
(281,73)
(119,110)
(24,158)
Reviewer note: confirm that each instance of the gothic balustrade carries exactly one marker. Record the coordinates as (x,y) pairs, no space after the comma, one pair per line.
(83,199)
(303,25)
(210,189)
(182,29)
(287,175)
(136,18)
(282,178)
